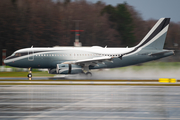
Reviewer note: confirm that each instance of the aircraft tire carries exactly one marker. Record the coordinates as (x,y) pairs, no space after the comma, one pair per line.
(89,74)
(29,75)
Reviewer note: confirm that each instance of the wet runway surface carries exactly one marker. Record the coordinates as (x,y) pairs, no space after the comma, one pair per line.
(62,102)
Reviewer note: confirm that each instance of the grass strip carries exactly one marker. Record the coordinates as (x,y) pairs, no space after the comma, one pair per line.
(24,74)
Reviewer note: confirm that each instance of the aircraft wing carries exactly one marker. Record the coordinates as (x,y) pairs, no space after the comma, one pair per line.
(92,61)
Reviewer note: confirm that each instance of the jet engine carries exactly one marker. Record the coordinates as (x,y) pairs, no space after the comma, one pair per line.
(66,69)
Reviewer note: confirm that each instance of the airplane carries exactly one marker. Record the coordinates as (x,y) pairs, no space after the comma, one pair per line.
(76,60)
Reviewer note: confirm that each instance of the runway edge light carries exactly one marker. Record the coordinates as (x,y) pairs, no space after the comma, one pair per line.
(167,80)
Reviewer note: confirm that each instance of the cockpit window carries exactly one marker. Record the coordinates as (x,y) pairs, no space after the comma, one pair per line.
(13,54)
(18,54)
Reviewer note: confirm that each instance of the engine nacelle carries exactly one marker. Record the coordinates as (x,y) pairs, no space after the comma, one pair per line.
(66,69)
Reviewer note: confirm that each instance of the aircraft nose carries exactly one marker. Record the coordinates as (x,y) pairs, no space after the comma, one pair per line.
(6,61)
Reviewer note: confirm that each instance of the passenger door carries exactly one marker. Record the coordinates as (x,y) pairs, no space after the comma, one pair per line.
(30,55)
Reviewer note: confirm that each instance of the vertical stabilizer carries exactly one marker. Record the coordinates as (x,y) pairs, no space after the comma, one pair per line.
(155,38)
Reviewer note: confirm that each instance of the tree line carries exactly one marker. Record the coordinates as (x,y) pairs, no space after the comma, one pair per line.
(46,23)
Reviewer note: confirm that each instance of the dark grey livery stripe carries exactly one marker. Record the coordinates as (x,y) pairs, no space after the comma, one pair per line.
(163,24)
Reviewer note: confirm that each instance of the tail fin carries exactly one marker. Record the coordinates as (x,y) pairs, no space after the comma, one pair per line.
(156,36)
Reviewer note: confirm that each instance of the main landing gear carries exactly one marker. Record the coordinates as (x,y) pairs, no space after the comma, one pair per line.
(86,71)
(89,74)
(30,74)
(86,74)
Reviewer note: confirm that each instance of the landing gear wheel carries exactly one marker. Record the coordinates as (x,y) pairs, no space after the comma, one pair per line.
(89,74)
(30,74)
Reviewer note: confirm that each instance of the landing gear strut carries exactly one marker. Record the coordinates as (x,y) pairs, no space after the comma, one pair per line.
(30,74)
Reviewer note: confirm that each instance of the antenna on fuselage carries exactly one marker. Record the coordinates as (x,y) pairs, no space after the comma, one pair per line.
(32,46)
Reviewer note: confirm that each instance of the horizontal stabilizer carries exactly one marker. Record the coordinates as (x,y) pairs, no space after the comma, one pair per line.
(162,53)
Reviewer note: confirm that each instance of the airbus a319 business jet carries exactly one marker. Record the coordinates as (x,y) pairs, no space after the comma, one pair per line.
(75,60)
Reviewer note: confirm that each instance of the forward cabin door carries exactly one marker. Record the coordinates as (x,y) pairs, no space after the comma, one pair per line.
(31,55)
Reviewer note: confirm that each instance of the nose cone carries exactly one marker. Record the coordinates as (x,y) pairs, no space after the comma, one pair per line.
(6,61)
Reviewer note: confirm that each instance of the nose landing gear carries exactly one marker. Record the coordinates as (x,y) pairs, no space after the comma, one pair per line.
(30,74)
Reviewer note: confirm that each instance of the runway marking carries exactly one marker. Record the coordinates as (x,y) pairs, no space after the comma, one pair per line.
(101,84)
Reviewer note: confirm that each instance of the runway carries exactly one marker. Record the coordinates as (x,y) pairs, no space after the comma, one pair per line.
(84,102)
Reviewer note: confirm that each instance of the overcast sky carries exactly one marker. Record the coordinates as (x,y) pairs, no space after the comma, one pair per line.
(152,9)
